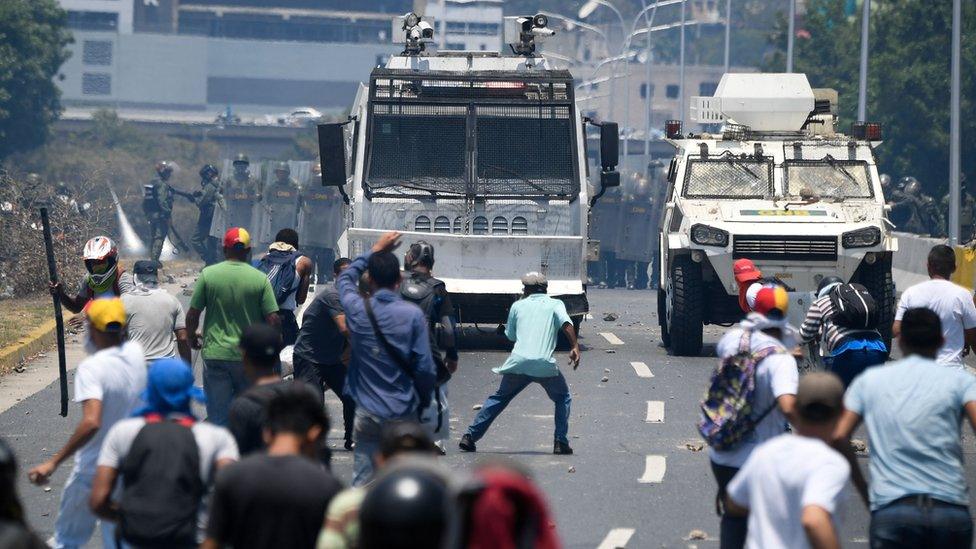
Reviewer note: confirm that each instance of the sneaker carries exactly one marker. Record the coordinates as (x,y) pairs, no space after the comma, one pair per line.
(349,445)
(466,444)
(561,448)
(440,448)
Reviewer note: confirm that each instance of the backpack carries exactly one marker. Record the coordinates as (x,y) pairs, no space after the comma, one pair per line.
(854,307)
(161,485)
(149,204)
(424,292)
(726,414)
(280,268)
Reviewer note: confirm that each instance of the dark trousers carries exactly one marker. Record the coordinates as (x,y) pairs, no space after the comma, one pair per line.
(919,522)
(849,364)
(158,231)
(732,531)
(289,326)
(328,376)
(202,242)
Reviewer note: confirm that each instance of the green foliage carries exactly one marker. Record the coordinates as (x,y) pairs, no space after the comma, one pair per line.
(33,40)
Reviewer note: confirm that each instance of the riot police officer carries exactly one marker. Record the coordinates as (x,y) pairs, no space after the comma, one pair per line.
(635,242)
(320,222)
(605,220)
(906,206)
(157,204)
(242,194)
(280,200)
(886,188)
(206,200)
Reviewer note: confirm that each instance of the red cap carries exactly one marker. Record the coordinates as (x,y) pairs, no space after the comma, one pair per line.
(237,237)
(745,271)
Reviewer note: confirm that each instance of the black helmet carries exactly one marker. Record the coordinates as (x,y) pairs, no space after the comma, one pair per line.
(827,284)
(164,168)
(420,252)
(241,158)
(910,185)
(407,507)
(282,167)
(208,172)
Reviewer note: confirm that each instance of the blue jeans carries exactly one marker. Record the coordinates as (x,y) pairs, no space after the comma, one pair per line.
(367,431)
(919,522)
(849,364)
(222,381)
(511,385)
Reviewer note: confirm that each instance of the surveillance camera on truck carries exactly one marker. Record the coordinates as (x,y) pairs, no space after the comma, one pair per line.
(481,154)
(776,184)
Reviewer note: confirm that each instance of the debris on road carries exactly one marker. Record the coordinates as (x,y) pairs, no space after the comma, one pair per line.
(610,317)
(571,469)
(476,407)
(606,370)
(47,488)
(611,351)
(695,446)
(697,534)
(859,445)
(604,379)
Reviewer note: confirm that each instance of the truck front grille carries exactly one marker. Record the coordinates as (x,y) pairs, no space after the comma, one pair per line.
(803,248)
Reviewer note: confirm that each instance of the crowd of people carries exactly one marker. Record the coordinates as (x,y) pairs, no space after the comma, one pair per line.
(151,470)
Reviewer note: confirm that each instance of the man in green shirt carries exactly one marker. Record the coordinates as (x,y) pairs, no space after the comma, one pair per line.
(235,296)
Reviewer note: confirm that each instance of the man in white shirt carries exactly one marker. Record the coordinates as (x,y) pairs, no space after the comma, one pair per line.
(792,485)
(776,379)
(107,385)
(951,302)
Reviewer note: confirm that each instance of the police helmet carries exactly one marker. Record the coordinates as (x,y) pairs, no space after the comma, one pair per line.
(885,180)
(208,172)
(407,507)
(419,253)
(282,167)
(241,158)
(164,168)
(911,185)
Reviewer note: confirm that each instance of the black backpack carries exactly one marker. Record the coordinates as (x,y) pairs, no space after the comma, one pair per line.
(161,485)
(424,291)
(150,205)
(280,268)
(854,307)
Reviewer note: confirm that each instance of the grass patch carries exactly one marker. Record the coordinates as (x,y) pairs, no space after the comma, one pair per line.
(22,315)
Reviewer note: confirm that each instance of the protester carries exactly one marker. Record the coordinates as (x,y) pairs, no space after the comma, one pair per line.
(14,530)
(792,486)
(848,351)
(154,317)
(407,507)
(391,373)
(260,348)
(430,294)
(913,409)
(107,385)
(319,355)
(746,274)
(276,499)
(105,277)
(760,337)
(534,323)
(399,439)
(953,304)
(289,273)
(166,460)
(235,296)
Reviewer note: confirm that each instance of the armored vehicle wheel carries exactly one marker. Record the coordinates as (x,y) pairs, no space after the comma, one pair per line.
(662,316)
(877,279)
(685,304)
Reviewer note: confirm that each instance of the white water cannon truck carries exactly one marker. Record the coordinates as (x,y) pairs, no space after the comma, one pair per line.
(480,154)
(778,185)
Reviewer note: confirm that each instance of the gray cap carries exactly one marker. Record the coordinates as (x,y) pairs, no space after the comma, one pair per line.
(820,396)
(534,278)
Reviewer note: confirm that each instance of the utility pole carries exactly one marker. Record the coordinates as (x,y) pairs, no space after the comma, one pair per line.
(681,62)
(790,34)
(954,190)
(862,91)
(728,33)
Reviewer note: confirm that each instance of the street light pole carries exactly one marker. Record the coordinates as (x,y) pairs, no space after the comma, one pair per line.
(728,33)
(862,92)
(790,34)
(681,76)
(954,190)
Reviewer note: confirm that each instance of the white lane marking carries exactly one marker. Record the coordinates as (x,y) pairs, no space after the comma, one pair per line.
(616,538)
(654,469)
(614,340)
(655,411)
(641,369)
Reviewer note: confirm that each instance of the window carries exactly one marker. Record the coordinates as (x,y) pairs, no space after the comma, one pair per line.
(520,225)
(480,225)
(97,52)
(499,225)
(93,20)
(643,90)
(96,83)
(707,88)
(458,225)
(442,225)
(729,177)
(828,178)
(672,91)
(422,224)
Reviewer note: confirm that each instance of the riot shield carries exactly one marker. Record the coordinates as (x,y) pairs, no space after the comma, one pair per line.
(321,217)
(638,235)
(280,201)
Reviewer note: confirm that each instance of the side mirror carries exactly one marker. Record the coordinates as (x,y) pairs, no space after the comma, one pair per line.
(332,155)
(609,146)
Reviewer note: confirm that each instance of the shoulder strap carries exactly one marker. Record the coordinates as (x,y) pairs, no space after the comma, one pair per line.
(390,349)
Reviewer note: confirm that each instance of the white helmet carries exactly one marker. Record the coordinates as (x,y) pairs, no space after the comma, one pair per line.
(98,251)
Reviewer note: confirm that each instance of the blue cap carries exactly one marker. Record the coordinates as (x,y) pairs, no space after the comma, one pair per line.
(169,388)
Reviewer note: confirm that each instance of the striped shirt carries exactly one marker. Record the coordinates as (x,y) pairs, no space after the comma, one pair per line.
(818,324)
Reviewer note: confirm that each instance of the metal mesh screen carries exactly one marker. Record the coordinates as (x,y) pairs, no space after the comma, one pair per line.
(525,150)
(729,178)
(423,88)
(837,179)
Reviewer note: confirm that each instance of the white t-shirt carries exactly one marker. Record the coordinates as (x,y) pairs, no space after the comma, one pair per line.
(213,442)
(953,304)
(116,376)
(781,477)
(152,318)
(776,376)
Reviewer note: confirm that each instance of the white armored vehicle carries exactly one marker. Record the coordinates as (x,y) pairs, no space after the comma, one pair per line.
(478,153)
(777,185)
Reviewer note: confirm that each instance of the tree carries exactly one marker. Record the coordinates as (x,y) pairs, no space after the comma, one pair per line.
(33,40)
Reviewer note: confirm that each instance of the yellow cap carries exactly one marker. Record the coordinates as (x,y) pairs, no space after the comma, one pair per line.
(106,315)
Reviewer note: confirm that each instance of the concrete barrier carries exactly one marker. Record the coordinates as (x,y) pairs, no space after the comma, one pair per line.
(908,266)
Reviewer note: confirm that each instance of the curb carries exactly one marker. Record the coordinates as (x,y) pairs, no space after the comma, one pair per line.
(37,340)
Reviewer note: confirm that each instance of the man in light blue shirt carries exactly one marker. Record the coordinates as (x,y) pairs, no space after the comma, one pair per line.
(913,409)
(534,323)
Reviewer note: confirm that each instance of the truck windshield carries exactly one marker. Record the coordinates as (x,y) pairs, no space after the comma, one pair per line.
(729,177)
(828,178)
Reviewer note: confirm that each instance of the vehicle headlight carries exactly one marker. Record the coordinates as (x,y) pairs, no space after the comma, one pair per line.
(709,236)
(861,238)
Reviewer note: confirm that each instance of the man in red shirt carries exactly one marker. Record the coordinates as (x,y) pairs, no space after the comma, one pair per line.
(746,274)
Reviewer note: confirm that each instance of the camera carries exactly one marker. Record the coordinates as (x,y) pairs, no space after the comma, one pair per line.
(426,30)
